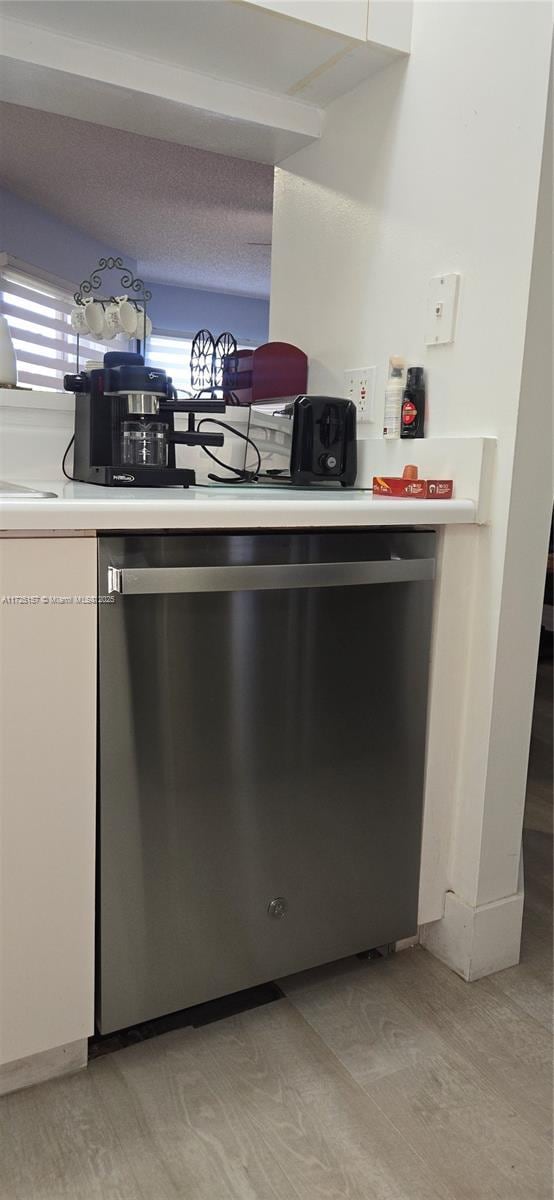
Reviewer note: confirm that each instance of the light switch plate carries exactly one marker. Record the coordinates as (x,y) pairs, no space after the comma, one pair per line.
(442,304)
(360,387)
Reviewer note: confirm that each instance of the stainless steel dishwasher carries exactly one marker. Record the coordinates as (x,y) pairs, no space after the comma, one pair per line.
(262,711)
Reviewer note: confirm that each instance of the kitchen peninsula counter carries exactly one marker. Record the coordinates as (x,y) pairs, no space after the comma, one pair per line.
(87,508)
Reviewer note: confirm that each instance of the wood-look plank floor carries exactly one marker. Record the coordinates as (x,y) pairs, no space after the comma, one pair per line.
(387,1080)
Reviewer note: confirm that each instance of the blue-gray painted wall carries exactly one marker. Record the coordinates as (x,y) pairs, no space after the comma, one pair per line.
(40,239)
(185,310)
(36,237)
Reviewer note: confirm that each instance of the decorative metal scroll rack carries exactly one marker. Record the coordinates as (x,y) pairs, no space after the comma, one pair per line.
(140,294)
(207,359)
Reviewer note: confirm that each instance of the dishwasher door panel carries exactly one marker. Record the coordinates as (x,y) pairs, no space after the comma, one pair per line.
(255,747)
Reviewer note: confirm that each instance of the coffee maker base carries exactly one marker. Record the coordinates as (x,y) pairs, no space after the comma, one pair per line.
(135,476)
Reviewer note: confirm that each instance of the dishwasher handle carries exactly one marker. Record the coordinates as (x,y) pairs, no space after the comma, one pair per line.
(146,581)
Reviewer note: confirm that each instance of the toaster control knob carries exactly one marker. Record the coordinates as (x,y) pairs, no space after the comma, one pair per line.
(328,462)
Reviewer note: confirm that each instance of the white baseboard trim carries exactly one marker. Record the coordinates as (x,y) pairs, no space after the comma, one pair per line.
(476,941)
(406,943)
(37,1068)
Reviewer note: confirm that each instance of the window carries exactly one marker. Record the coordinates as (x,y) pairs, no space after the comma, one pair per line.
(171,354)
(38,315)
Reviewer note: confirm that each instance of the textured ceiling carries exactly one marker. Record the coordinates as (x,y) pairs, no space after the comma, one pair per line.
(186,215)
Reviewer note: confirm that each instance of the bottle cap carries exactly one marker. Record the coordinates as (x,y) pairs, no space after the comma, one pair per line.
(396,365)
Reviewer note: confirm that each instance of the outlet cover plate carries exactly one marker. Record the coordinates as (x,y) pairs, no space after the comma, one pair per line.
(442,304)
(360,387)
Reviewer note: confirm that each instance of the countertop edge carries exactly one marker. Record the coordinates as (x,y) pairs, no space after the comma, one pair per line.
(226,511)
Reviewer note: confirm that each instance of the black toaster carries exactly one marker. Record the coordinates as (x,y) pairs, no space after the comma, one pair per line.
(311,439)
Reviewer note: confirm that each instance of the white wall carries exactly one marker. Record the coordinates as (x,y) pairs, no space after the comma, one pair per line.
(528,528)
(433,166)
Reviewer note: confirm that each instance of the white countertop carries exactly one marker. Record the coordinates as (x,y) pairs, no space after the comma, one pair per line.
(81,506)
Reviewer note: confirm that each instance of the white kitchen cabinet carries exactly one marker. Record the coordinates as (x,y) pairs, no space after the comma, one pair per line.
(47,802)
(380,21)
(348,17)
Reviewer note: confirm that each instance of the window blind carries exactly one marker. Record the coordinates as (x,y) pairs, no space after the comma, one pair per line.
(172,354)
(38,315)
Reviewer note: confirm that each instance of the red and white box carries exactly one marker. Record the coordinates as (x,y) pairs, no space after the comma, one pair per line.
(397,487)
(439,489)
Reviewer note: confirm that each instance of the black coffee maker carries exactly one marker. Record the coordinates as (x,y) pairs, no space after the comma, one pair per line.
(125,432)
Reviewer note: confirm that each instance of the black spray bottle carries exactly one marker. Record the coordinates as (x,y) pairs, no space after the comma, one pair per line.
(412,419)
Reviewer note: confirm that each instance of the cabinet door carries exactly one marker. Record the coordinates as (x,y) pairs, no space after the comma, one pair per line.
(348,18)
(47,792)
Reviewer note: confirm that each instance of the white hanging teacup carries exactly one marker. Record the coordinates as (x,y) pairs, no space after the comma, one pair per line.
(94,317)
(78,320)
(88,318)
(144,325)
(119,317)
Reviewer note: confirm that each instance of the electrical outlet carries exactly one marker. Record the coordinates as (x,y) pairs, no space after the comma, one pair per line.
(360,387)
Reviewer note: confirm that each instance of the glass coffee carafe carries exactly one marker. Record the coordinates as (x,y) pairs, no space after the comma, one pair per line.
(144,444)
